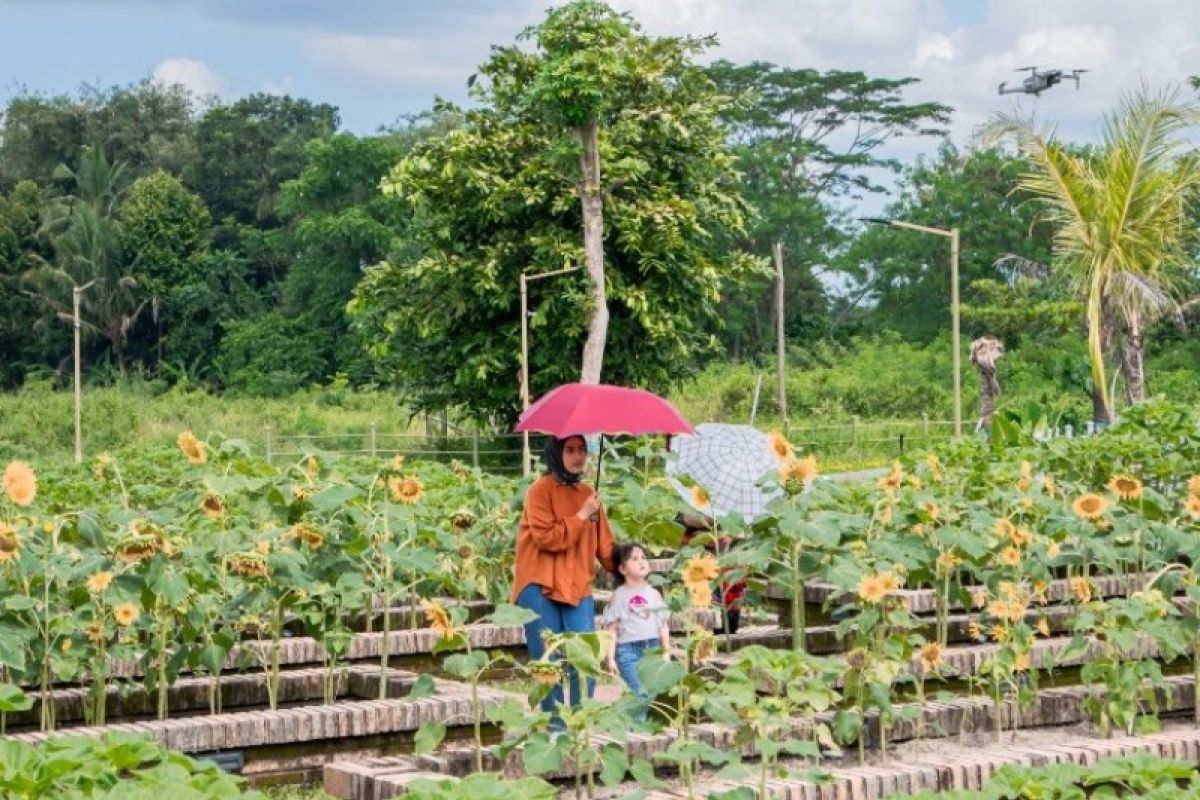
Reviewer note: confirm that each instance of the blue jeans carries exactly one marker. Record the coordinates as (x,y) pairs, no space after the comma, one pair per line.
(558,618)
(628,654)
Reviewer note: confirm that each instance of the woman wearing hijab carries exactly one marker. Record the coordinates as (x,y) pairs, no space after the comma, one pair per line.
(563,532)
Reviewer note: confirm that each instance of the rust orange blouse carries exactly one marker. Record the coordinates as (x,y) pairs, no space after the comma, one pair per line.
(555,550)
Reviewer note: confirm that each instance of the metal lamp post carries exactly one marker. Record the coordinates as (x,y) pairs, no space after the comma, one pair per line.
(952,235)
(526,455)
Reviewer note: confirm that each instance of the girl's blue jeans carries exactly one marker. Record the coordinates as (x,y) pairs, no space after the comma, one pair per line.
(558,618)
(627,656)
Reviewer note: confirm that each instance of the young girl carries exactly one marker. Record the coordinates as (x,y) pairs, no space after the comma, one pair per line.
(636,616)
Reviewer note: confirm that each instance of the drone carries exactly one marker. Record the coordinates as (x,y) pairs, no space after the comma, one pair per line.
(1038,82)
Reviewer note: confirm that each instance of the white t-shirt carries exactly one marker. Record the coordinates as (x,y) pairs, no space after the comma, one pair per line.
(640,613)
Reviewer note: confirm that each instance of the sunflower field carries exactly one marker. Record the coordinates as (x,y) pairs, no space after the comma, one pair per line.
(983,577)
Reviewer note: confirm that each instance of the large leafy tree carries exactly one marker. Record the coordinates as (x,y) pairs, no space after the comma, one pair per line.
(22,346)
(1119,216)
(501,195)
(245,152)
(144,125)
(805,139)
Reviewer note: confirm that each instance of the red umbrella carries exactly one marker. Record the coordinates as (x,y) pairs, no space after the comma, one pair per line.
(591,408)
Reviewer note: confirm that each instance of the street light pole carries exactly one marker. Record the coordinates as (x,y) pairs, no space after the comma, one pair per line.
(523,280)
(955,335)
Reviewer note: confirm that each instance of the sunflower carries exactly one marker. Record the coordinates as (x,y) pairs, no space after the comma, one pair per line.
(212,506)
(858,658)
(999,634)
(931,656)
(262,547)
(307,535)
(1192,506)
(438,618)
(126,614)
(547,673)
(1043,627)
(463,519)
(799,469)
(1126,487)
(1010,556)
(978,598)
(1004,528)
(100,468)
(700,570)
(703,646)
(914,482)
(935,467)
(301,493)
(312,468)
(1081,588)
(407,490)
(10,540)
(1021,537)
(700,498)
(252,564)
(700,596)
(1089,506)
(94,632)
(1021,661)
(872,588)
(1026,479)
(974,632)
(20,483)
(931,510)
(891,482)
(192,448)
(99,582)
(947,561)
(1194,485)
(1053,549)
(891,581)
(885,515)
(780,447)
(1049,487)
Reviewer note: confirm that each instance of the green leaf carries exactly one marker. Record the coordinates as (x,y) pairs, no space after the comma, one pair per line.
(616,764)
(659,676)
(428,737)
(541,755)
(13,699)
(642,771)
(423,686)
(506,614)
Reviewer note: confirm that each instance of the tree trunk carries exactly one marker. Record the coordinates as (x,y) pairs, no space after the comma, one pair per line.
(1095,337)
(592,201)
(1133,367)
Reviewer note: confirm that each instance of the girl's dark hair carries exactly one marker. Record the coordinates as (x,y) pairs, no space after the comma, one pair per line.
(621,554)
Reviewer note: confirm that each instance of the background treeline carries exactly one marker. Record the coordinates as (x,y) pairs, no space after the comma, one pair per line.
(220,245)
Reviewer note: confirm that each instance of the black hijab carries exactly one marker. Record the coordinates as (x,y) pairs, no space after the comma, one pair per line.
(552,456)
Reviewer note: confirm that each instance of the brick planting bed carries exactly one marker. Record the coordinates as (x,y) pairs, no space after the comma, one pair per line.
(376,779)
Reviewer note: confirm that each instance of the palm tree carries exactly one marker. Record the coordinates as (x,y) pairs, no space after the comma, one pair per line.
(1118,214)
(985,352)
(85,233)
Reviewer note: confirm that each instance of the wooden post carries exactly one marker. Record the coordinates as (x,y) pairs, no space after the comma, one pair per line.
(757,391)
(270,444)
(75,292)
(374,442)
(475,449)
(779,343)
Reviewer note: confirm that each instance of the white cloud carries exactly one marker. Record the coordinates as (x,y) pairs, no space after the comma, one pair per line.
(286,85)
(197,76)
(933,46)
(387,60)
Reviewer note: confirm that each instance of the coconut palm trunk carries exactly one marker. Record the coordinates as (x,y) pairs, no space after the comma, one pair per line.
(985,352)
(1133,368)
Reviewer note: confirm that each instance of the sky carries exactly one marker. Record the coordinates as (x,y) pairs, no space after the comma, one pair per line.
(380,59)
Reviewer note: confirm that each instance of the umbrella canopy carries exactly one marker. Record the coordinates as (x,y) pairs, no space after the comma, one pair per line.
(591,408)
(727,461)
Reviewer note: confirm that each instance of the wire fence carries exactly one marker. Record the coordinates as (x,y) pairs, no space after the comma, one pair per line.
(854,442)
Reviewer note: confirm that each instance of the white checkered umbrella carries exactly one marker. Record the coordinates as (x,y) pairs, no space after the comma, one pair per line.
(727,460)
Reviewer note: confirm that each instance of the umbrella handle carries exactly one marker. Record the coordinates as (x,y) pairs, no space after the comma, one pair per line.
(599,464)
